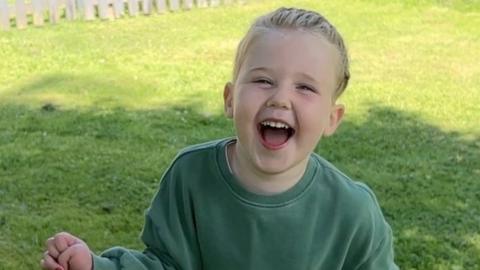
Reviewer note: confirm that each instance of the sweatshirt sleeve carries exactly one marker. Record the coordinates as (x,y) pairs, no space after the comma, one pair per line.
(382,256)
(168,234)
(122,258)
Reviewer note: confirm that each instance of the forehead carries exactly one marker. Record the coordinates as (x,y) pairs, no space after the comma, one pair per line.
(293,51)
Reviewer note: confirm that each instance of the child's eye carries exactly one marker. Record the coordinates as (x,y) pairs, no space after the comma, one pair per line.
(263,81)
(306,88)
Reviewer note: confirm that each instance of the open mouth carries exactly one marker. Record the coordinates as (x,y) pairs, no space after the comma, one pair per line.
(274,133)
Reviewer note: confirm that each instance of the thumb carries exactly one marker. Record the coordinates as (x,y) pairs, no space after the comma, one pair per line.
(76,257)
(64,258)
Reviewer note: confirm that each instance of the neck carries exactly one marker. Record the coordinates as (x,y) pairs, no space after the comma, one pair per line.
(261,182)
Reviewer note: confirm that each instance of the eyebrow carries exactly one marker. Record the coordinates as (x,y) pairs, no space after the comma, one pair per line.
(259,69)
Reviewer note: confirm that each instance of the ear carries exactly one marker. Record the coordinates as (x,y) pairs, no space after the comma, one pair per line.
(228,99)
(336,116)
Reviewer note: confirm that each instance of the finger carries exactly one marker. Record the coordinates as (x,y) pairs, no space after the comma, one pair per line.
(65,235)
(66,256)
(51,248)
(49,263)
(63,240)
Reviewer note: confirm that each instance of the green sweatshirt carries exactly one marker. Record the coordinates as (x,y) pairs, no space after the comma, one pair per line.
(202,218)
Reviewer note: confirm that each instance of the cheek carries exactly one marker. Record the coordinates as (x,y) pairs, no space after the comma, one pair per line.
(248,102)
(244,111)
(314,118)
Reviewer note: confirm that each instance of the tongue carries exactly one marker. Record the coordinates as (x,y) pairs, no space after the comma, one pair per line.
(275,136)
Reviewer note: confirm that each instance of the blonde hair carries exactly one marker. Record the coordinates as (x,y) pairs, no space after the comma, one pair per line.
(296,19)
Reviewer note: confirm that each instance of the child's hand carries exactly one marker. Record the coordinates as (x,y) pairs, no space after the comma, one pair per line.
(66,252)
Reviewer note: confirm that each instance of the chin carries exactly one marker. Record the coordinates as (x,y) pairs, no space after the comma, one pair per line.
(273,166)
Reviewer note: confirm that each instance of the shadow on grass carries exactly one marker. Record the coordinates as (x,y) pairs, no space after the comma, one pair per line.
(426,180)
(93,173)
(104,91)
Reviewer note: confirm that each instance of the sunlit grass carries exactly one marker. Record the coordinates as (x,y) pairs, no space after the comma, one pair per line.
(91,113)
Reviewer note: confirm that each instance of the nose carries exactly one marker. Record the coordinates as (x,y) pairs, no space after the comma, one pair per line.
(280,98)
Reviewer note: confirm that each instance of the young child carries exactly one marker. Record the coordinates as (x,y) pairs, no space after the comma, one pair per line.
(262,200)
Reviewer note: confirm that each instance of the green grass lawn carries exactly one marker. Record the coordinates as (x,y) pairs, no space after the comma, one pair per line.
(91,113)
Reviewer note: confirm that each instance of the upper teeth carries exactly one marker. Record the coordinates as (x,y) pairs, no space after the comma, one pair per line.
(275,124)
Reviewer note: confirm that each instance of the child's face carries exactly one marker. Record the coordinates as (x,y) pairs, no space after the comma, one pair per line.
(283,100)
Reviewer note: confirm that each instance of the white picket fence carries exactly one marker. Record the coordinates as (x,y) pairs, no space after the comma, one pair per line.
(22,14)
